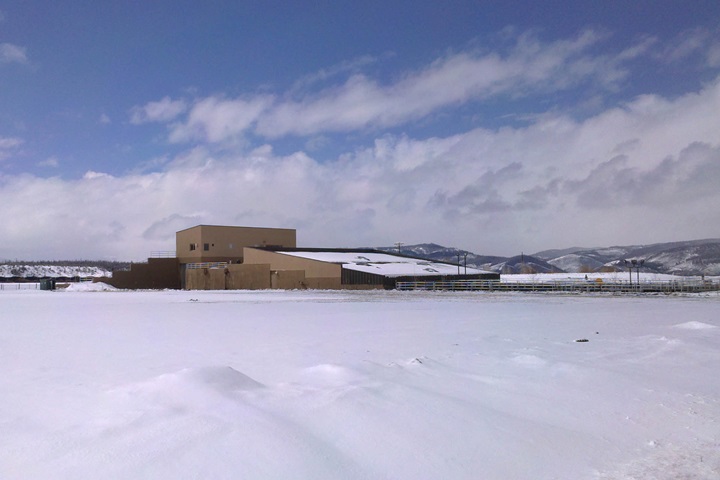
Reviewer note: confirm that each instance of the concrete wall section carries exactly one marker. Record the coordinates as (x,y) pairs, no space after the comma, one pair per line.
(205,279)
(288,279)
(247,277)
(233,277)
(297,280)
(157,273)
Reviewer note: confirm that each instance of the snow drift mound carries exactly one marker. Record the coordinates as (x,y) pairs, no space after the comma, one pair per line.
(221,379)
(89,287)
(695,325)
(202,389)
(327,374)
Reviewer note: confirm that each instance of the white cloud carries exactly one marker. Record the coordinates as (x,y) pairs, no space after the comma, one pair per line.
(353,66)
(50,162)
(10,53)
(529,67)
(8,146)
(165,228)
(452,80)
(697,41)
(713,56)
(105,119)
(642,172)
(215,119)
(92,175)
(9,142)
(163,110)
(688,43)
(692,174)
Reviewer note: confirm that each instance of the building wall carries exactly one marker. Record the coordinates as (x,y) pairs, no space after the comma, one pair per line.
(205,279)
(289,272)
(247,277)
(266,269)
(353,277)
(157,273)
(288,279)
(297,280)
(279,261)
(216,243)
(233,277)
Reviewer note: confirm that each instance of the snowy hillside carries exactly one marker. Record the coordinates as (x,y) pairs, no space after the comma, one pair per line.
(680,258)
(689,260)
(696,257)
(576,263)
(51,271)
(433,251)
(524,264)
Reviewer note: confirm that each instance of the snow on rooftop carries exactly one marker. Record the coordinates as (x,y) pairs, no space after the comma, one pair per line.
(385,264)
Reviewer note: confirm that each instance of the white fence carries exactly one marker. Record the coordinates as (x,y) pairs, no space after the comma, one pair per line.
(672,286)
(197,265)
(20,286)
(163,254)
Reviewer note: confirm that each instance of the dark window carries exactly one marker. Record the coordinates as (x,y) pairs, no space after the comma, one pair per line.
(192,247)
(206,247)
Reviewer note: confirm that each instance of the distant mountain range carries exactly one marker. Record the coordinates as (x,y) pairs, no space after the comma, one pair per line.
(695,257)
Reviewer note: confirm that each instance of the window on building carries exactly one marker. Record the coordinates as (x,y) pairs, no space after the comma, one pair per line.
(206,247)
(230,246)
(192,247)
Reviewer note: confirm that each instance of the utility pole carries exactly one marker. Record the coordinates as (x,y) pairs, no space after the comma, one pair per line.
(398,245)
(638,264)
(629,265)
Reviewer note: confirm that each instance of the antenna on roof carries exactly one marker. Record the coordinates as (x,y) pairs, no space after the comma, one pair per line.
(398,245)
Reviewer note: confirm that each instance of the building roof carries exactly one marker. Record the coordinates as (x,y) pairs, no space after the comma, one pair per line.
(242,227)
(381,263)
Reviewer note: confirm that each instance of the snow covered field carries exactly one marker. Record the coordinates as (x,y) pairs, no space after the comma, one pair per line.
(357,385)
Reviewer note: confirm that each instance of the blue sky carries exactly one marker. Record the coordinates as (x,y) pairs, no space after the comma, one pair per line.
(497,127)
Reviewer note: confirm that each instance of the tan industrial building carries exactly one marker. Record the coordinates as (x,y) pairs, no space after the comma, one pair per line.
(215,243)
(213,257)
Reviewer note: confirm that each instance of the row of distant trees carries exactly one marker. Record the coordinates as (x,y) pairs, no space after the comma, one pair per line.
(604,268)
(104,264)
